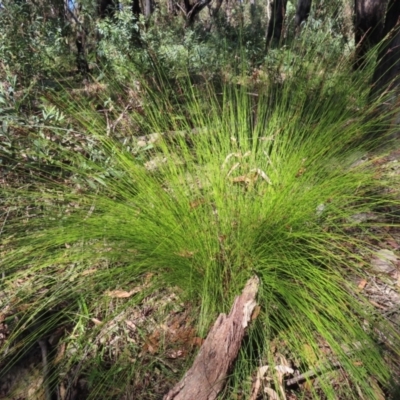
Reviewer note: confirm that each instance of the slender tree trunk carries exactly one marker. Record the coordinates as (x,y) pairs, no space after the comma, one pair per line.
(278,12)
(171,7)
(192,10)
(302,11)
(187,5)
(392,16)
(228,7)
(81,62)
(369,23)
(136,7)
(135,32)
(253,13)
(148,8)
(387,72)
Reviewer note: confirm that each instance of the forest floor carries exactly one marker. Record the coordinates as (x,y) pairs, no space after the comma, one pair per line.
(164,329)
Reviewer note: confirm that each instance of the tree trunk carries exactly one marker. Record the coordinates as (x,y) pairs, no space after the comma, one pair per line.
(59,9)
(107,8)
(206,378)
(148,8)
(302,11)
(278,12)
(171,7)
(81,62)
(387,72)
(226,11)
(369,23)
(392,16)
(217,7)
(253,13)
(136,7)
(192,10)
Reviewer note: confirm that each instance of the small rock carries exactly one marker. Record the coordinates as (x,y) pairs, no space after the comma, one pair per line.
(384,261)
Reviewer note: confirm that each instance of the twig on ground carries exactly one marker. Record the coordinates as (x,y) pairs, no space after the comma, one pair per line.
(46,376)
(312,373)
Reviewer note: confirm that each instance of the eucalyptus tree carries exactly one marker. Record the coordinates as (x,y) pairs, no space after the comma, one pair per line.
(303,9)
(278,12)
(369,18)
(373,21)
(387,71)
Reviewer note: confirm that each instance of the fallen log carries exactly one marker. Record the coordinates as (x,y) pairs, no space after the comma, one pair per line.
(206,378)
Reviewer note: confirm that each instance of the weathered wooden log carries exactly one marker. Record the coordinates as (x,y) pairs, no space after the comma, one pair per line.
(206,378)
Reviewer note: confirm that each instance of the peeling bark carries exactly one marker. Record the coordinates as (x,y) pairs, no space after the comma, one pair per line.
(206,378)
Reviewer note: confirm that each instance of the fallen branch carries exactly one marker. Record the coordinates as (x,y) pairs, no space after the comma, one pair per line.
(312,373)
(46,370)
(206,378)
(327,367)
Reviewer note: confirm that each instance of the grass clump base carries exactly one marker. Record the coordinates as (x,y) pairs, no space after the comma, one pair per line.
(233,184)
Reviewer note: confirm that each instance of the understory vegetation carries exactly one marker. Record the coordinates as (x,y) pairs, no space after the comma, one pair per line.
(136,201)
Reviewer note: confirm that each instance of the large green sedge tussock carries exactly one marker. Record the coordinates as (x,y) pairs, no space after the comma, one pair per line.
(236,183)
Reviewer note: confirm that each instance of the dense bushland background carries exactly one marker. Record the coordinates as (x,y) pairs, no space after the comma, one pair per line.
(155,155)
